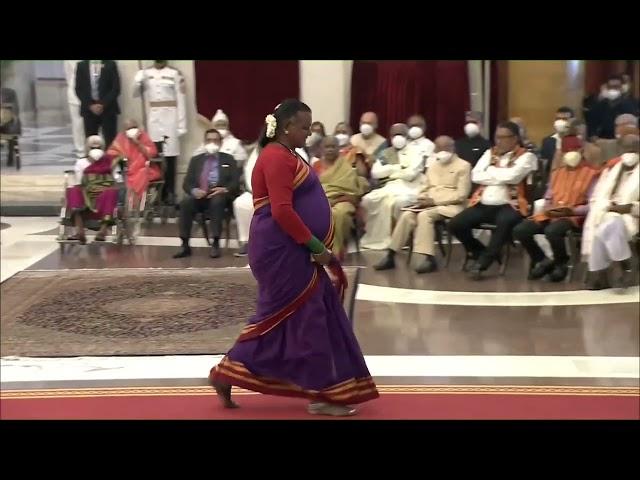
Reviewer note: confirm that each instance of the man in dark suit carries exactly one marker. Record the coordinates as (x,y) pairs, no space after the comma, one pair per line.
(614,104)
(98,88)
(473,145)
(211,184)
(564,117)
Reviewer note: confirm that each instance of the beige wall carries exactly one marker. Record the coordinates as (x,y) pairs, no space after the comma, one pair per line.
(538,88)
(325,85)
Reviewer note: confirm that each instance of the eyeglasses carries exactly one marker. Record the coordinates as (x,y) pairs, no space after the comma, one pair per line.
(503,137)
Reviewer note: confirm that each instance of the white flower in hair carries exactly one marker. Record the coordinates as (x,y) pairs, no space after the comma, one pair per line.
(271,122)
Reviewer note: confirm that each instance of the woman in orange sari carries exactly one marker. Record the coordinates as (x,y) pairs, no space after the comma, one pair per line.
(136,146)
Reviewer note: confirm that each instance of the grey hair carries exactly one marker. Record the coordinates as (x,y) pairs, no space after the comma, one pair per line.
(93,139)
(627,119)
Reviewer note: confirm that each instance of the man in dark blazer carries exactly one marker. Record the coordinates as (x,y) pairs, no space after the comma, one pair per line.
(564,117)
(98,88)
(211,184)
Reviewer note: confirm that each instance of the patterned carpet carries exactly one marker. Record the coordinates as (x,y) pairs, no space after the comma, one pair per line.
(127,311)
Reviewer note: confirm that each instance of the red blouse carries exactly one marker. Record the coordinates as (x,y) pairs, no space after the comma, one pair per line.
(273,176)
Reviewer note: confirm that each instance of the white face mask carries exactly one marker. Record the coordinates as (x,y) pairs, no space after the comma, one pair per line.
(223,132)
(613,94)
(96,153)
(471,130)
(572,159)
(416,132)
(444,157)
(561,126)
(399,142)
(342,138)
(630,159)
(212,148)
(133,132)
(366,129)
(625,88)
(312,139)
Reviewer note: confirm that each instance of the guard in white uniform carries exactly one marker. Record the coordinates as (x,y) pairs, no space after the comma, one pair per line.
(243,205)
(165,102)
(77,124)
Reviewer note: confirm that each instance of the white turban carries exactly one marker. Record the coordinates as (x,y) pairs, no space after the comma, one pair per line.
(220,116)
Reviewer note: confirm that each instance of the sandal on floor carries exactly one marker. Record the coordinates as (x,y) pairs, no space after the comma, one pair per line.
(331,410)
(100,238)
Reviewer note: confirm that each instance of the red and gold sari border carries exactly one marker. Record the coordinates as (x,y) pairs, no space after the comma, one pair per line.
(351,391)
(257,329)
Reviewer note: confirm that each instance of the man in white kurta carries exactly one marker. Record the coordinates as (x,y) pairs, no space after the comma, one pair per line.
(417,139)
(613,217)
(165,103)
(77,124)
(243,205)
(400,170)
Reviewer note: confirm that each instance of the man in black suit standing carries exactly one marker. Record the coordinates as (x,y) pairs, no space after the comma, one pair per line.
(564,117)
(473,145)
(98,88)
(211,184)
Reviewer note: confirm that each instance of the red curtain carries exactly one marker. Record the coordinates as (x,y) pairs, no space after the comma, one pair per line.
(247,91)
(395,90)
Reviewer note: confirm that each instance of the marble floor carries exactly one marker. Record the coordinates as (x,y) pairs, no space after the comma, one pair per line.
(439,328)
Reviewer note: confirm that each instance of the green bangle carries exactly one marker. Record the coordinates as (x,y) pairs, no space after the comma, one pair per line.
(315,245)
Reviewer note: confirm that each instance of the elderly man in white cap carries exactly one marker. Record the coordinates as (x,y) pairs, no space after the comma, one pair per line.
(230,144)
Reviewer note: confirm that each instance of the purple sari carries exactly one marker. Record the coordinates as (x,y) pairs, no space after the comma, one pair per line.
(300,342)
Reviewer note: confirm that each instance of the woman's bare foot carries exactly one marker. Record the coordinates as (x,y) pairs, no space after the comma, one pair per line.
(224,393)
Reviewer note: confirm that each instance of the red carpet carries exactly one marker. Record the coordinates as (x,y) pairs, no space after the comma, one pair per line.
(396,403)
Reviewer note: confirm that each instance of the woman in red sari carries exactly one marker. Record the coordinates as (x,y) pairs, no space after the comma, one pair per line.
(300,342)
(136,146)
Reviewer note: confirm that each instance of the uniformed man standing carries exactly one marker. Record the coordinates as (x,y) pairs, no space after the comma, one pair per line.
(165,103)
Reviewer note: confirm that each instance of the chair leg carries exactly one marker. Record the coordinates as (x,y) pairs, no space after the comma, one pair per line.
(505,260)
(203,225)
(228,228)
(439,229)
(410,252)
(449,248)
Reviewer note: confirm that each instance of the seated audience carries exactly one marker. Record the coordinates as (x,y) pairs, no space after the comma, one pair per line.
(399,169)
(553,143)
(135,145)
(314,141)
(566,204)
(210,185)
(609,108)
(500,199)
(230,144)
(344,188)
(446,189)
(613,217)
(368,140)
(95,195)
(473,145)
(418,141)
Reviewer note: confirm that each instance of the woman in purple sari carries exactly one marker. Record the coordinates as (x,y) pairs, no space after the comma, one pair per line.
(96,195)
(300,342)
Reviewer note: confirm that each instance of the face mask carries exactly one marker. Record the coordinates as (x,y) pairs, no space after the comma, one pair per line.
(342,138)
(212,148)
(471,129)
(399,142)
(613,94)
(630,159)
(96,153)
(223,132)
(625,88)
(312,139)
(561,126)
(133,132)
(416,132)
(444,157)
(572,159)
(366,129)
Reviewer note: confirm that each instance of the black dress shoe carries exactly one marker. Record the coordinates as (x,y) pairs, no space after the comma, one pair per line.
(627,280)
(185,252)
(387,263)
(598,281)
(475,272)
(215,252)
(541,269)
(428,265)
(559,273)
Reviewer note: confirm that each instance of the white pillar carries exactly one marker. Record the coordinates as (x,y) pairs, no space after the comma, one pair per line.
(325,85)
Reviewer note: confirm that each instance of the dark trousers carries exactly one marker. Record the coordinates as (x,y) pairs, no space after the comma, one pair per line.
(108,122)
(555,233)
(505,217)
(169,190)
(214,206)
